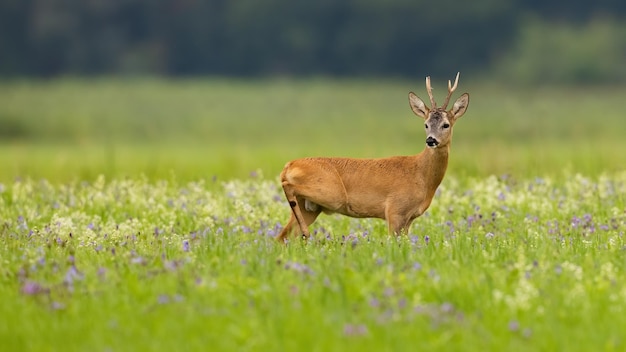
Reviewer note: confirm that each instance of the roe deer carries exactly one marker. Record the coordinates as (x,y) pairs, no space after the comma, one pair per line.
(397,189)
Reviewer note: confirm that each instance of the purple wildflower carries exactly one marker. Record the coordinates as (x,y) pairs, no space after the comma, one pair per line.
(450,225)
(31,288)
(374,302)
(446,307)
(558,270)
(22,225)
(402,303)
(71,275)
(163,299)
(527,333)
(57,305)
(355,330)
(298,267)
(138,260)
(102,272)
(185,246)
(513,325)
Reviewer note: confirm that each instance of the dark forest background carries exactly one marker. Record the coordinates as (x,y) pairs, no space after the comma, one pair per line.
(527,41)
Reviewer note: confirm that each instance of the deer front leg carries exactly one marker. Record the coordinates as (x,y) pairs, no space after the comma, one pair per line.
(399,226)
(398,223)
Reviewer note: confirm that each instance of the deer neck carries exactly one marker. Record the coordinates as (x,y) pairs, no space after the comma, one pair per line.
(432,164)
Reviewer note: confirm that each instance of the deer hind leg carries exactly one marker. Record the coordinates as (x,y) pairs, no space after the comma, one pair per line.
(310,189)
(284,233)
(308,217)
(296,212)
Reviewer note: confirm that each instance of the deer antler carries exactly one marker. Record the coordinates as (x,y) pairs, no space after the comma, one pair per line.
(451,89)
(429,89)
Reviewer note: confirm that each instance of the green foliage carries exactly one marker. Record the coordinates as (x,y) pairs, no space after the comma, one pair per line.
(399,38)
(249,37)
(495,264)
(560,52)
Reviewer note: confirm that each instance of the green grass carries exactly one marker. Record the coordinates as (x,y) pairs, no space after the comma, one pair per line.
(498,264)
(130,220)
(69,129)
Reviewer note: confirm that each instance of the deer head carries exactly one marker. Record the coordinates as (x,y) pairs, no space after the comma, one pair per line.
(438,121)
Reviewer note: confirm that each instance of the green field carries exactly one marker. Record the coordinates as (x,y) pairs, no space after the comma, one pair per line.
(140,215)
(75,129)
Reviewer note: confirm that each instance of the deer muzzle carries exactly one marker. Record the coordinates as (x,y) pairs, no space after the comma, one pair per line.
(432,142)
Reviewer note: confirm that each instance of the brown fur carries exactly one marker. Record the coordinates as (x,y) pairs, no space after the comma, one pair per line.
(397,189)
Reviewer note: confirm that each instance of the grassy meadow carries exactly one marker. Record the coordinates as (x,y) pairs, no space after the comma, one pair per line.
(140,215)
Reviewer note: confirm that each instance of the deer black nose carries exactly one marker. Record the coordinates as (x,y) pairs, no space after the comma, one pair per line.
(431,142)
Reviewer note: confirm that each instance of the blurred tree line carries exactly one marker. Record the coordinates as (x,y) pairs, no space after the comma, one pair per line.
(531,40)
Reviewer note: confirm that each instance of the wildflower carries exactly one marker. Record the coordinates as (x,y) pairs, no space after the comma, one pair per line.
(374,302)
(138,260)
(447,307)
(71,275)
(22,225)
(355,330)
(298,267)
(102,272)
(163,299)
(57,305)
(185,245)
(513,325)
(31,288)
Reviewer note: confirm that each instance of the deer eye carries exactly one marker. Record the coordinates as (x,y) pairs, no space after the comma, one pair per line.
(446,125)
(426,125)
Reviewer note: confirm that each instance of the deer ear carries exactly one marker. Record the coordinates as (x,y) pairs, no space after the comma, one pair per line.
(418,106)
(460,106)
